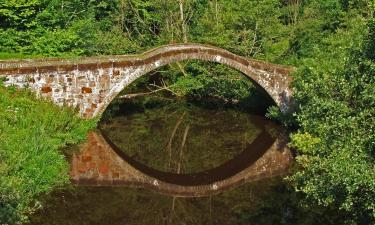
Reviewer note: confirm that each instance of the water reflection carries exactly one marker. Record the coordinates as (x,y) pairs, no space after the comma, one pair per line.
(183,138)
(263,202)
(211,167)
(100,163)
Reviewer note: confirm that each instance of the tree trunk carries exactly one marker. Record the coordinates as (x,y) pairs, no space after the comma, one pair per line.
(183,22)
(216,13)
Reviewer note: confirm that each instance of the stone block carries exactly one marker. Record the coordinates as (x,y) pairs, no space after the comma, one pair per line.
(86,90)
(46,89)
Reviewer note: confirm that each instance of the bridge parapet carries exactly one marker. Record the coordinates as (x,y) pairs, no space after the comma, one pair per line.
(91,83)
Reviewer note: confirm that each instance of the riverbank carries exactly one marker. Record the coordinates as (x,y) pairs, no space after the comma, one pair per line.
(32,132)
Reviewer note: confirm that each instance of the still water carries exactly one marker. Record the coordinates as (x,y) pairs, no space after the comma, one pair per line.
(177,163)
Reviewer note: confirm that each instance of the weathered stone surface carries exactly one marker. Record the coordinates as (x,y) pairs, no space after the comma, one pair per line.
(96,81)
(46,89)
(86,90)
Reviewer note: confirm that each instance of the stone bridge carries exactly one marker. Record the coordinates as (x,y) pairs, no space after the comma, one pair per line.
(90,84)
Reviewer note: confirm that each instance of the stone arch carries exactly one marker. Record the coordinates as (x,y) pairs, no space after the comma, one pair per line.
(90,84)
(274,79)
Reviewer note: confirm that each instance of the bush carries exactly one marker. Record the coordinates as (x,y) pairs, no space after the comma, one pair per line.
(32,132)
(336,138)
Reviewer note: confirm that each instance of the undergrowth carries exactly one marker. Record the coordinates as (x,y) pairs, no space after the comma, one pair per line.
(32,133)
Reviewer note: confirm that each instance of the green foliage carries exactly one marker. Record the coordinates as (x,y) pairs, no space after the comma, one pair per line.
(7,55)
(330,41)
(336,115)
(54,43)
(32,132)
(287,119)
(249,28)
(210,80)
(19,13)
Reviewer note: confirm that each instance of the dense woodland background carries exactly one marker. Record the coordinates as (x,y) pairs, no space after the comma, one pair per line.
(331,42)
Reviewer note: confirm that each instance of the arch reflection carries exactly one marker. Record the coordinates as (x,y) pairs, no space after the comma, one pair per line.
(101,163)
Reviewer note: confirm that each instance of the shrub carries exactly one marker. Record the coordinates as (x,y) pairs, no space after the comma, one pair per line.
(32,132)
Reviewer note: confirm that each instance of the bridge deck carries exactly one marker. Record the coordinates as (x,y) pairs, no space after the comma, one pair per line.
(26,66)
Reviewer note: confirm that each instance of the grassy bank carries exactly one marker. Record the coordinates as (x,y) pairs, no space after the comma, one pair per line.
(32,132)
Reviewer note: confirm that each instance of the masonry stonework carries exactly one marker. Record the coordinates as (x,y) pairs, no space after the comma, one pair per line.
(90,84)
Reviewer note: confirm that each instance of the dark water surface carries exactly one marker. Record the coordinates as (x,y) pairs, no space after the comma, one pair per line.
(155,137)
(145,158)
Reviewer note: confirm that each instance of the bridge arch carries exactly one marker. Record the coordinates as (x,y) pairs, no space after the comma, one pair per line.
(274,79)
(90,84)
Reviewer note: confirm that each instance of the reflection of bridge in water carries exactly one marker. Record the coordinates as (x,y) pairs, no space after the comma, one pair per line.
(101,163)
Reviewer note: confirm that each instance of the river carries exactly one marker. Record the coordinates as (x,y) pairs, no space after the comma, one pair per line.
(174,162)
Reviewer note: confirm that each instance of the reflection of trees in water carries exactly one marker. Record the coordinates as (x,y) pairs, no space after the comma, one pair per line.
(169,145)
(179,160)
(225,133)
(178,138)
(266,202)
(214,136)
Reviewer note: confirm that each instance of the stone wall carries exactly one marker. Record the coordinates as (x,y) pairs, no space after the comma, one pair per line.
(90,84)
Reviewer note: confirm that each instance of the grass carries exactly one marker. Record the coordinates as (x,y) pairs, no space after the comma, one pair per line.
(32,132)
(18,56)
(7,55)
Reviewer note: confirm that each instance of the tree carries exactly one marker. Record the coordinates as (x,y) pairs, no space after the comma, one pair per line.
(336,139)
